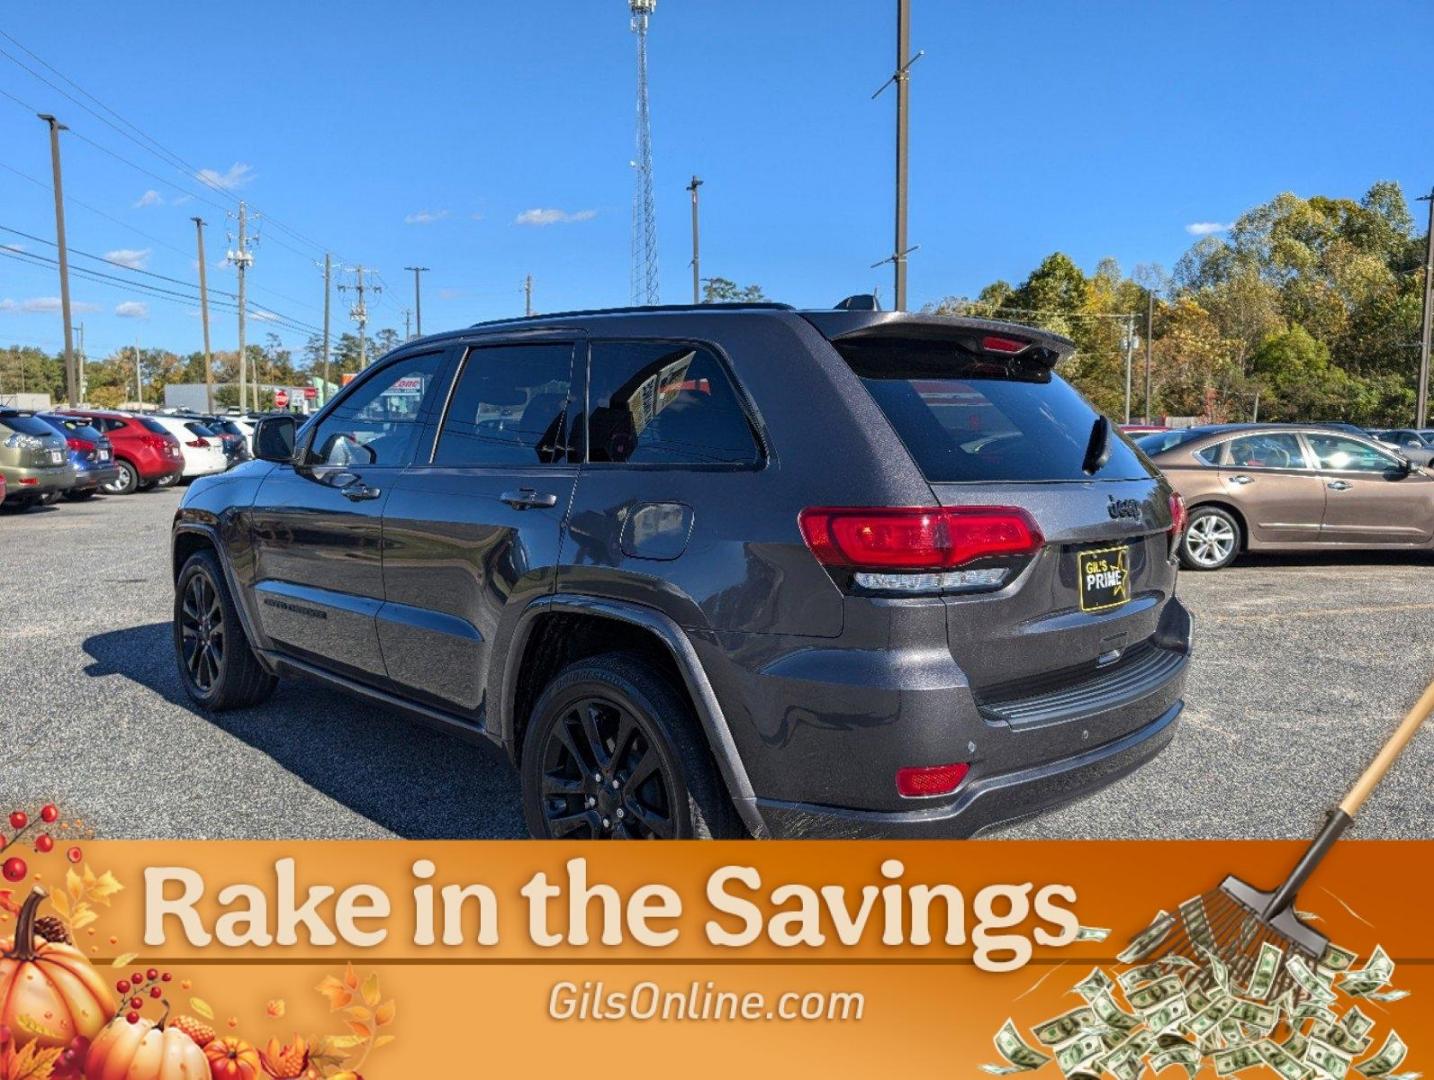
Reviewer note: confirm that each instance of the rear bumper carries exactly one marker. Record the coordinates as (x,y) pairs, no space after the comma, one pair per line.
(92,479)
(987,802)
(32,483)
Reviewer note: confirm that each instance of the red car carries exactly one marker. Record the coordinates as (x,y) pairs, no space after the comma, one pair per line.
(145,453)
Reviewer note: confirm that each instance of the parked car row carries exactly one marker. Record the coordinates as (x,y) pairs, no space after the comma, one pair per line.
(75,453)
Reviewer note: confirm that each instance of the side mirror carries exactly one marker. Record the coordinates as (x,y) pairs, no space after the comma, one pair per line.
(274,438)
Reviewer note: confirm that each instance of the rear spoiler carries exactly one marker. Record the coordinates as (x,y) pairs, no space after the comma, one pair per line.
(995,339)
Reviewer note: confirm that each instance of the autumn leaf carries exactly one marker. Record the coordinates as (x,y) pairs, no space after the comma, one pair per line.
(351,979)
(123,960)
(202,1007)
(74,885)
(339,1042)
(338,994)
(276,1008)
(61,903)
(371,993)
(363,1031)
(384,1014)
(359,1013)
(33,1063)
(102,888)
(84,915)
(383,1040)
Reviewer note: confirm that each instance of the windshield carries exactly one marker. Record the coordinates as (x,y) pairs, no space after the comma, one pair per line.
(965,418)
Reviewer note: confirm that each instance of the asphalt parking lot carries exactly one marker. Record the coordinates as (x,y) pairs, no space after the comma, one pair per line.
(1302,667)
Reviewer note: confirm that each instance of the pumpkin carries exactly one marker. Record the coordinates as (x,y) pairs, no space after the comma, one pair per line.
(232,1059)
(49,994)
(144,1050)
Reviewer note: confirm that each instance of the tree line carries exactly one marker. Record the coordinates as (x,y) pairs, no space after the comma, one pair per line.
(1304,309)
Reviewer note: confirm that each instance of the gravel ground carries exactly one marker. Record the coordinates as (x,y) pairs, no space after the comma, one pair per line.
(1301,668)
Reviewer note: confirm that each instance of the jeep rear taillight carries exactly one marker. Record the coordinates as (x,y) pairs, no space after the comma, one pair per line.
(917,538)
(1178,518)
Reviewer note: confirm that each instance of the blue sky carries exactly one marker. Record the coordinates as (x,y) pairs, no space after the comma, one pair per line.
(426,133)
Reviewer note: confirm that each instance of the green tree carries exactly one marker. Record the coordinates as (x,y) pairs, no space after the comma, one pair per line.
(720,290)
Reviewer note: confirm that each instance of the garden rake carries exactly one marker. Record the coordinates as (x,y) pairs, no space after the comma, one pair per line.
(1232,922)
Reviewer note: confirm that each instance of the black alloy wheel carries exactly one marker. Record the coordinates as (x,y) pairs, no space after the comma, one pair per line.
(201,630)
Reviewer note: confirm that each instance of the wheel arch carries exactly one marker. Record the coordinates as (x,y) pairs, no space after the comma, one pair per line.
(190,537)
(1233,511)
(555,630)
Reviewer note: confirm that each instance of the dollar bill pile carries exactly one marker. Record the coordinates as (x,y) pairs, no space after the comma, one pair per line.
(1192,1011)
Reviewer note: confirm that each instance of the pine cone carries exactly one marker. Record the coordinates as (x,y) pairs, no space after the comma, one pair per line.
(52,929)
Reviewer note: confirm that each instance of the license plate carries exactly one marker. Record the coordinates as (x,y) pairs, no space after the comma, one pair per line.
(56,458)
(1103,578)
(104,455)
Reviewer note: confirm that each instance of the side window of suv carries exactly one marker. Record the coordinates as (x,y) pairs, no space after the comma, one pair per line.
(662,403)
(377,423)
(508,407)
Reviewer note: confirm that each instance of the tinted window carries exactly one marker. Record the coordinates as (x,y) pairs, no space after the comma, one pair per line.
(656,403)
(508,406)
(1268,451)
(26,425)
(152,425)
(200,430)
(1336,452)
(964,417)
(377,422)
(1210,455)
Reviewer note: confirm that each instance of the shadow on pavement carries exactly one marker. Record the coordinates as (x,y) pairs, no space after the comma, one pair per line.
(1396,560)
(416,782)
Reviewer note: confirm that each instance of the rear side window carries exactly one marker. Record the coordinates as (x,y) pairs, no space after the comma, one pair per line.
(1158,442)
(153,425)
(199,429)
(508,406)
(25,425)
(659,403)
(965,418)
(1267,451)
(376,423)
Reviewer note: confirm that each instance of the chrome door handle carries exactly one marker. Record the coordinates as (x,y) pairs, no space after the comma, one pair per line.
(1241,478)
(528,499)
(358,491)
(1339,485)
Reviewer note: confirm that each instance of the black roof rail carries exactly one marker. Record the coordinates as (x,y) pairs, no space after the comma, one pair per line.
(640,310)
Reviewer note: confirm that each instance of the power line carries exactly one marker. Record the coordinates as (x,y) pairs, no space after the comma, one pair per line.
(104,259)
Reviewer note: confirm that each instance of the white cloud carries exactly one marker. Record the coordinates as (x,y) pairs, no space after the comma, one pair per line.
(129,258)
(181,200)
(236,176)
(1206,228)
(553,217)
(425,217)
(149,198)
(260,315)
(132,309)
(44,305)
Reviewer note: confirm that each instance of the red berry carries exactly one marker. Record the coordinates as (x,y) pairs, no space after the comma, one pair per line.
(155,991)
(49,812)
(122,986)
(165,977)
(14,869)
(152,974)
(19,819)
(132,1017)
(137,978)
(44,843)
(74,854)
(136,1003)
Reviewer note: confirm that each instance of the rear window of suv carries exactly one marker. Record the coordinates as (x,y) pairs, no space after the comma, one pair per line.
(25,425)
(965,418)
(153,425)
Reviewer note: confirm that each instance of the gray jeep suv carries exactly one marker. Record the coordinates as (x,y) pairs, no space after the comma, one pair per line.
(713,570)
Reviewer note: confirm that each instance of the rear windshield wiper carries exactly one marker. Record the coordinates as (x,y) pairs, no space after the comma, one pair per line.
(1097,450)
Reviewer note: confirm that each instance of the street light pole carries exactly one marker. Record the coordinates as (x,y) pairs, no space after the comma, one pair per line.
(72,382)
(1424,335)
(696,243)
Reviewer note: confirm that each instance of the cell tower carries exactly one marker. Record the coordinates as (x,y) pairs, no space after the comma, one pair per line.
(644,214)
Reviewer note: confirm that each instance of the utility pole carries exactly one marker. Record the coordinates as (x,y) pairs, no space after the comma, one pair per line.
(1129,355)
(902,79)
(407,327)
(328,270)
(696,242)
(1425,331)
(417,299)
(359,313)
(241,260)
(204,318)
(138,378)
(1149,345)
(72,382)
(80,361)
(528,295)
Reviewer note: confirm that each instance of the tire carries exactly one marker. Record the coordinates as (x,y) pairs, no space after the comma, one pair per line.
(206,623)
(167,481)
(1212,539)
(50,498)
(568,774)
(126,483)
(80,496)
